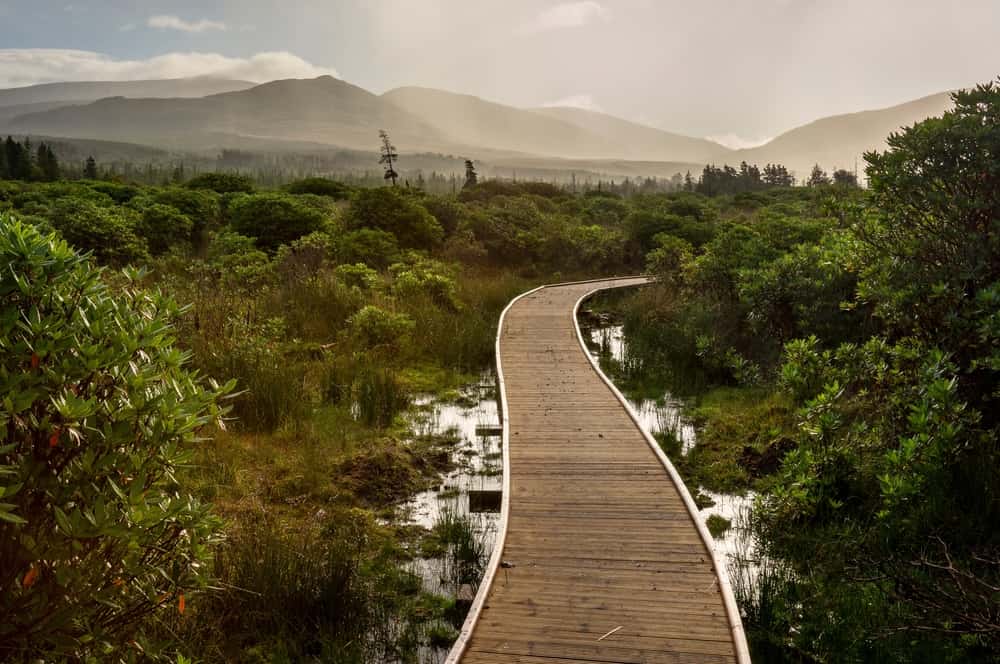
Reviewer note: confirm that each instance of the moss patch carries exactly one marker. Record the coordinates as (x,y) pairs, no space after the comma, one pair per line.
(735,427)
(389,471)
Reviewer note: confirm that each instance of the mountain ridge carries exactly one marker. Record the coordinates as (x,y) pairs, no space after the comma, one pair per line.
(89,91)
(329,111)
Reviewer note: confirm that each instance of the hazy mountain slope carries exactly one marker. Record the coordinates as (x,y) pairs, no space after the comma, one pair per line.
(474,121)
(836,141)
(643,142)
(94,90)
(555,132)
(10,112)
(322,110)
(326,112)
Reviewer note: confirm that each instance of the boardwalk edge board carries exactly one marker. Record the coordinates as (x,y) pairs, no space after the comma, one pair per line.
(462,642)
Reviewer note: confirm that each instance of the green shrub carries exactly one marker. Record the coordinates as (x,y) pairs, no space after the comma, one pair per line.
(273,219)
(802,293)
(667,261)
(448,212)
(40,196)
(303,258)
(110,233)
(374,327)
(645,225)
(238,263)
(320,187)
(222,183)
(897,465)
(120,193)
(389,210)
(100,412)
(369,246)
(163,227)
(606,211)
(424,278)
(594,249)
(201,206)
(357,275)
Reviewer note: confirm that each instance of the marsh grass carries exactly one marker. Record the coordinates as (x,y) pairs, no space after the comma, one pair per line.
(461,546)
(765,591)
(380,396)
(463,339)
(298,594)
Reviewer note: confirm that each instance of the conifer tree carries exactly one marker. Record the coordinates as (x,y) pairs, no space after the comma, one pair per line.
(90,169)
(818,177)
(471,179)
(48,163)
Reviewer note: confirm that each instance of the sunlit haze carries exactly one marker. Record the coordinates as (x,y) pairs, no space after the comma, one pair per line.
(739,72)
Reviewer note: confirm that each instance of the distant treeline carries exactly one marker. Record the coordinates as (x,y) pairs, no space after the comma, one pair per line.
(21,161)
(431,173)
(728,180)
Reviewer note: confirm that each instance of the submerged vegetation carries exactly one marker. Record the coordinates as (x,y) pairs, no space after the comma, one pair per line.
(839,345)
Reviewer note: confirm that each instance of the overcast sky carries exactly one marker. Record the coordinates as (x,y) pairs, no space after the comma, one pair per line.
(740,70)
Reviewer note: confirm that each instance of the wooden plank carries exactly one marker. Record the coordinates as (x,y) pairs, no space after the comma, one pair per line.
(598,537)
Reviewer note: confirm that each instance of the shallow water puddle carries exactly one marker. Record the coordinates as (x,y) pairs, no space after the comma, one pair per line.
(663,415)
(473,418)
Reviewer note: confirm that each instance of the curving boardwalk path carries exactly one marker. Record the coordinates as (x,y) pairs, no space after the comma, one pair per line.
(602,560)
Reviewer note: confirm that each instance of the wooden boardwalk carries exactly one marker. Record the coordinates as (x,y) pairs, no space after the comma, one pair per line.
(599,558)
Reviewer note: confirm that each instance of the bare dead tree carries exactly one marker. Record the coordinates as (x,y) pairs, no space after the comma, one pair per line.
(389,156)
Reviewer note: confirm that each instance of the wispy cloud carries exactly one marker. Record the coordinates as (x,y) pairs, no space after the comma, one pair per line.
(586,102)
(567,15)
(166,22)
(44,65)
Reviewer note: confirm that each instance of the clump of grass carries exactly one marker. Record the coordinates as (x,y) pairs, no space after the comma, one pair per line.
(272,386)
(388,471)
(766,593)
(669,442)
(337,380)
(703,500)
(441,635)
(461,547)
(309,595)
(375,391)
(717,525)
(380,396)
